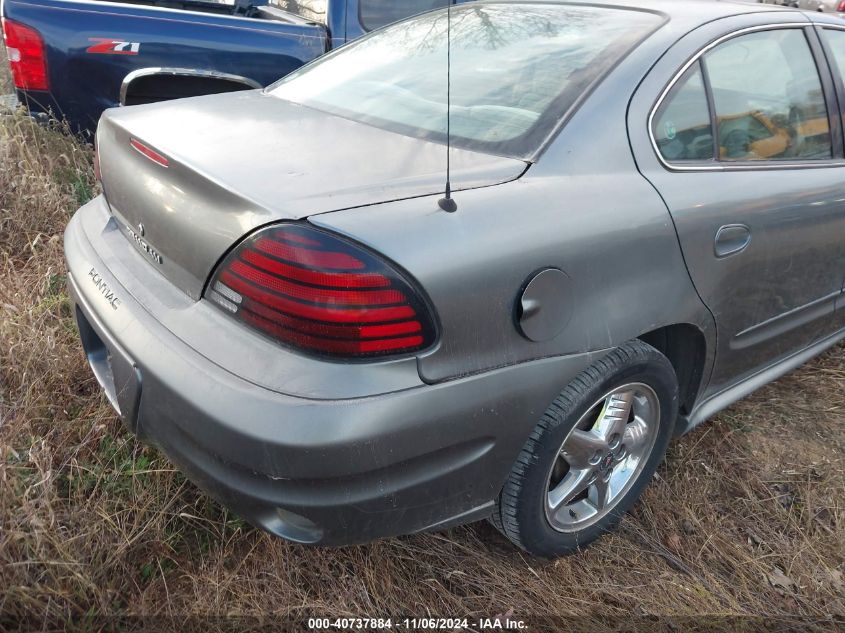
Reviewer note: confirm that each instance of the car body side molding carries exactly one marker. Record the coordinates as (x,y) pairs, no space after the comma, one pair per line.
(722,400)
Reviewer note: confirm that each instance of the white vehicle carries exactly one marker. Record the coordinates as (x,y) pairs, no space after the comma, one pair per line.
(826,6)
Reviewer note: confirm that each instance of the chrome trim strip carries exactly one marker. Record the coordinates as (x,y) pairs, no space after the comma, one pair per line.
(129,5)
(182,72)
(785,322)
(727,166)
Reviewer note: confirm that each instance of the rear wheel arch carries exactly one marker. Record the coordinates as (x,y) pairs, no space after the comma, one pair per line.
(685,345)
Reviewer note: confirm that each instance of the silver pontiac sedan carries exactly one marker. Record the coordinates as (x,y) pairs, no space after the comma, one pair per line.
(644,222)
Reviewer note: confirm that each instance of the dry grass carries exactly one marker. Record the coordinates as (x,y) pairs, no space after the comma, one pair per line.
(747,517)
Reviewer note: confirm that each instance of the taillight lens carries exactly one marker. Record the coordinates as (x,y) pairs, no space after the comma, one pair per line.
(321,294)
(27,56)
(97,174)
(149,152)
(841,7)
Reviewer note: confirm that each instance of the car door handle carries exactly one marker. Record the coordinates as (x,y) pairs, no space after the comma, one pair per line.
(732,238)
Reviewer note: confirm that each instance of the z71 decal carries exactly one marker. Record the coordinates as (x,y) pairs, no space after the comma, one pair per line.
(108,46)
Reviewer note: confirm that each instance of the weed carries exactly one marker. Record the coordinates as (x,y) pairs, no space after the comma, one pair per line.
(747,516)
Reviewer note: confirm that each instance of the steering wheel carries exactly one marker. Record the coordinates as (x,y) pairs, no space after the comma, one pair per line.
(737,143)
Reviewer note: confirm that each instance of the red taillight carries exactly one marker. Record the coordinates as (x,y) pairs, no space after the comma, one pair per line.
(27,57)
(322,294)
(97,161)
(841,7)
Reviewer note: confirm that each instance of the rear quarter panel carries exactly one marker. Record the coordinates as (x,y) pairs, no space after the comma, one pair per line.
(582,208)
(85,83)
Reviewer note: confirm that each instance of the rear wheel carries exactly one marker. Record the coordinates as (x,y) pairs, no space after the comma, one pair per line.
(592,453)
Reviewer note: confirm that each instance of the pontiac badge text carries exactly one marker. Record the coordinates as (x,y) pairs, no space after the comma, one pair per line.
(104,289)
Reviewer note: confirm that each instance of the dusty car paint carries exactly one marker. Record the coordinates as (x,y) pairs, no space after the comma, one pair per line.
(201,141)
(426,440)
(777,296)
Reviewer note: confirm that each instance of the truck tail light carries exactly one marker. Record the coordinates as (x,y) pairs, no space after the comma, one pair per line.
(27,56)
(841,7)
(97,173)
(321,294)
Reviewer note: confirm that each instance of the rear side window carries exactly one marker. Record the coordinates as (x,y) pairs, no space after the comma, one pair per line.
(682,123)
(313,10)
(378,13)
(768,103)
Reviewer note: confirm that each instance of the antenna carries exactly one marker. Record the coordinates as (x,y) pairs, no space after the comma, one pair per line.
(447,203)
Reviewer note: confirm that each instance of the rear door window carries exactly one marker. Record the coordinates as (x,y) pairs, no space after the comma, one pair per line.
(768,98)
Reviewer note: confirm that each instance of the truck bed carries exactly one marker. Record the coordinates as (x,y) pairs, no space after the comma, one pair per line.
(102,53)
(98,54)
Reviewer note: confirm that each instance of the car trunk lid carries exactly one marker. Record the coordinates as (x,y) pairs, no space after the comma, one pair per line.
(239,161)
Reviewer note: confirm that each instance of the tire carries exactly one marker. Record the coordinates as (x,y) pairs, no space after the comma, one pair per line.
(530,501)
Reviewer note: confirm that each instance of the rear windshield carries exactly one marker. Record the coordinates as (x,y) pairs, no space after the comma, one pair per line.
(516,69)
(313,10)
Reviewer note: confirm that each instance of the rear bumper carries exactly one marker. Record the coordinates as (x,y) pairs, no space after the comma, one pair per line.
(311,470)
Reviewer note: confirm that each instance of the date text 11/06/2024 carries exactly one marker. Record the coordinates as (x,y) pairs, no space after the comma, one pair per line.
(504,622)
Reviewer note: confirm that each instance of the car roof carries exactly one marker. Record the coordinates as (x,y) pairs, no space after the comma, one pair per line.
(688,9)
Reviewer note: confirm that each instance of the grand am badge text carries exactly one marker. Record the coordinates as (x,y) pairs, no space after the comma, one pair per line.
(144,246)
(104,289)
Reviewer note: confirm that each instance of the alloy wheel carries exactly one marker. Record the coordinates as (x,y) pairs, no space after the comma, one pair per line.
(602,457)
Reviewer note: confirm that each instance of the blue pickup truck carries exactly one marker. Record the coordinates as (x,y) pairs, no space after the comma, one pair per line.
(75,58)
